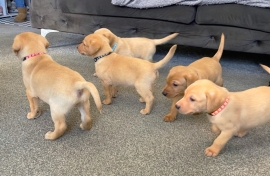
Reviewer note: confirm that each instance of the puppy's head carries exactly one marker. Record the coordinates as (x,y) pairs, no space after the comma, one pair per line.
(108,34)
(93,44)
(27,43)
(178,79)
(201,96)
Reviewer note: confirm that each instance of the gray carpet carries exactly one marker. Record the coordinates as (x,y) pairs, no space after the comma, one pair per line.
(122,141)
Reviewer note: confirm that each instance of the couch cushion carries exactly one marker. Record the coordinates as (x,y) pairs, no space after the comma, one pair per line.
(181,14)
(235,15)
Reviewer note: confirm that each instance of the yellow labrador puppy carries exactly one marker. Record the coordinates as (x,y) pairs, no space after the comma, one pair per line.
(114,69)
(137,47)
(180,77)
(231,113)
(59,86)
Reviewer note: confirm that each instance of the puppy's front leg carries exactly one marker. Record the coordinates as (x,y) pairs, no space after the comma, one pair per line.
(107,90)
(173,111)
(34,108)
(59,124)
(219,143)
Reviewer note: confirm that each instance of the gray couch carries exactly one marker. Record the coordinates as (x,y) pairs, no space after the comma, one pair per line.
(247,29)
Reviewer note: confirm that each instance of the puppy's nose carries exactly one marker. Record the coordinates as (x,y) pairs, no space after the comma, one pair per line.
(164,93)
(177,106)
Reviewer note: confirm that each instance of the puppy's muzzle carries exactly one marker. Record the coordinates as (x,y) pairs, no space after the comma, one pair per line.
(177,106)
(165,93)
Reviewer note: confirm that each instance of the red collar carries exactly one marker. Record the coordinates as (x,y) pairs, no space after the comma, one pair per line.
(33,55)
(221,107)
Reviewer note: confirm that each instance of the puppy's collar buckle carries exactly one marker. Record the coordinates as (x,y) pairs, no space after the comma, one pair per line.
(221,107)
(97,58)
(33,55)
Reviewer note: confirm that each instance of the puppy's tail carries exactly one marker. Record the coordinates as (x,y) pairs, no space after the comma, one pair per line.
(265,68)
(218,54)
(166,59)
(165,39)
(92,89)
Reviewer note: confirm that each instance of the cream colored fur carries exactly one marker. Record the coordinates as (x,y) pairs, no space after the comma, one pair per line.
(245,110)
(59,86)
(137,47)
(115,69)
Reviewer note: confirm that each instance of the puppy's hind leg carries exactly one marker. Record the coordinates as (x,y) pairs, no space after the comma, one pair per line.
(84,109)
(219,81)
(34,107)
(114,91)
(108,93)
(60,126)
(147,97)
(241,133)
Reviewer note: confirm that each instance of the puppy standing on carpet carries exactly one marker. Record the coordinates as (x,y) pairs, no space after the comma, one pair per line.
(180,77)
(59,86)
(137,47)
(231,113)
(114,69)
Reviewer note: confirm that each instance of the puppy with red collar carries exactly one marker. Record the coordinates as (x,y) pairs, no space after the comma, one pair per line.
(231,113)
(59,86)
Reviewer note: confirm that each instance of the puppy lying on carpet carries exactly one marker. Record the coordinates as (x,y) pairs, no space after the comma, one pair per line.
(137,47)
(180,77)
(59,86)
(114,69)
(231,113)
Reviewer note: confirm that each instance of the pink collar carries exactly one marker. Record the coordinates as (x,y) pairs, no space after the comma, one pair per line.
(221,107)
(33,55)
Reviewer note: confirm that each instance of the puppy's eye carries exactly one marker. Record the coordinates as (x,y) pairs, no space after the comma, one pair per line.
(175,85)
(191,99)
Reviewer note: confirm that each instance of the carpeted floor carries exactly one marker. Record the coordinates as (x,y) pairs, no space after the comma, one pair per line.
(122,141)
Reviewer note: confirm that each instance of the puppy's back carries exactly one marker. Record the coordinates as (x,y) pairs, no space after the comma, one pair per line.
(253,105)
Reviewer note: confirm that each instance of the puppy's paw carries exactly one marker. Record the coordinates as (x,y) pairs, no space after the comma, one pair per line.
(50,136)
(169,118)
(144,112)
(33,115)
(141,100)
(211,151)
(87,126)
(107,101)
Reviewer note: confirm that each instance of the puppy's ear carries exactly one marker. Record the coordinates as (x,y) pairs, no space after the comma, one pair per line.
(16,46)
(93,47)
(44,42)
(109,36)
(215,98)
(191,78)
(210,101)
